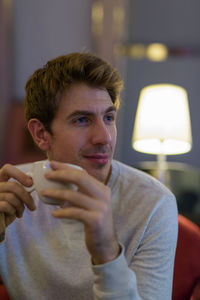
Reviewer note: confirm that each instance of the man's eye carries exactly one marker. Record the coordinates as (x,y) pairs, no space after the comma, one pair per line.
(110,118)
(82,120)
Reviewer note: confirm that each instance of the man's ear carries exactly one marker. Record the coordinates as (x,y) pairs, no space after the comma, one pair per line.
(39,134)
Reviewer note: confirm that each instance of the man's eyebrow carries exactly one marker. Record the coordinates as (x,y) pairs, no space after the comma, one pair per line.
(111,108)
(90,113)
(79,113)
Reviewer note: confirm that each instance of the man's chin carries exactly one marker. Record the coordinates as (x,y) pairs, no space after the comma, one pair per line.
(100,172)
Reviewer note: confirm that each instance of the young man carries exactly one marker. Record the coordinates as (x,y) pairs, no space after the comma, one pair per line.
(115,237)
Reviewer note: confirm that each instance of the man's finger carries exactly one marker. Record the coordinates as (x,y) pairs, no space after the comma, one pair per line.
(16,189)
(9,171)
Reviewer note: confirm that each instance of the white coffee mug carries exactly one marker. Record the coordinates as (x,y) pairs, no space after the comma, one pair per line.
(40,182)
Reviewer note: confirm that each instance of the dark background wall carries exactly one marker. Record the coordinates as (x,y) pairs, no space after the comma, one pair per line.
(41,30)
(175,23)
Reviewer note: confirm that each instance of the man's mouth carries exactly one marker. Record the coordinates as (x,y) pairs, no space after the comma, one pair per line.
(100,158)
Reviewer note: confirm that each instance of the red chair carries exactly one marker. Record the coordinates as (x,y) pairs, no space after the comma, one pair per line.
(3,292)
(186,282)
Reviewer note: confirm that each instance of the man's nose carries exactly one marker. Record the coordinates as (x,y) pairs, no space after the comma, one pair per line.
(101,133)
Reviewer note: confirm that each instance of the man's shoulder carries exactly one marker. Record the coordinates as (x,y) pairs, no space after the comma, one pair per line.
(128,170)
(132,178)
(132,174)
(142,194)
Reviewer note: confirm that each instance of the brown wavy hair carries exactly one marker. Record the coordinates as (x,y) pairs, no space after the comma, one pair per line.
(44,89)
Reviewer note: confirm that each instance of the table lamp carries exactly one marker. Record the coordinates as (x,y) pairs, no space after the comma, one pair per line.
(162,124)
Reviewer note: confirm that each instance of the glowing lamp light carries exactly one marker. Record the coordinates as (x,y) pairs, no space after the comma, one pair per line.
(162,124)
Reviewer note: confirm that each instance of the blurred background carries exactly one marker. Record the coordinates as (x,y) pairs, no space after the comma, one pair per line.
(122,32)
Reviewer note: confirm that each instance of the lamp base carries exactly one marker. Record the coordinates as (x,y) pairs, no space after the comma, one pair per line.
(175,168)
(162,167)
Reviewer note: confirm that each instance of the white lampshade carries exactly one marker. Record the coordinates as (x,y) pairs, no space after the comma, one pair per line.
(162,123)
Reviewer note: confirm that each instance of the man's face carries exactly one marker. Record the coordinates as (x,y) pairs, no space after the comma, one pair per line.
(84,130)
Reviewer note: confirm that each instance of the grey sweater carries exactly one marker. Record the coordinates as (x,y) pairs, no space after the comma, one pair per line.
(46,258)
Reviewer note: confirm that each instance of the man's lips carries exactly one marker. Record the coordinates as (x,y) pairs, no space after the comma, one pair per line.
(98,158)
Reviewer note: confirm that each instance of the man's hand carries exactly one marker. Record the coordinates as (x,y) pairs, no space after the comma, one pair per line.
(91,205)
(13,197)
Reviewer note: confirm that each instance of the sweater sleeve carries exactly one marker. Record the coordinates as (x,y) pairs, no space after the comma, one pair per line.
(149,275)
(115,280)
